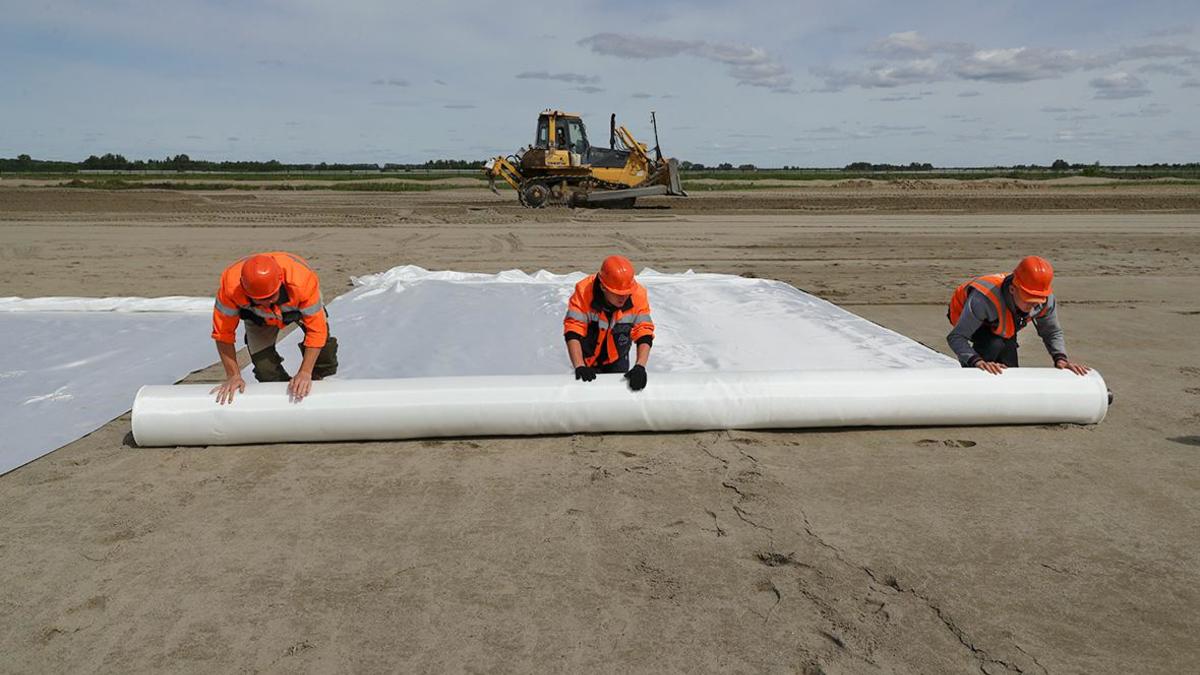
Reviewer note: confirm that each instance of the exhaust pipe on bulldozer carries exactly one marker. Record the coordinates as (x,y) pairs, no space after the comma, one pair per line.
(657,146)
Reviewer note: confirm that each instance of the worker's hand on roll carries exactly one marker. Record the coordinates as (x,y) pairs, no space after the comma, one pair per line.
(990,366)
(637,378)
(224,391)
(585,373)
(300,386)
(1077,368)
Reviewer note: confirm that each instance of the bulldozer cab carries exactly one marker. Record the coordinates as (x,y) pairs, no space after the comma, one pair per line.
(561,131)
(558,131)
(560,141)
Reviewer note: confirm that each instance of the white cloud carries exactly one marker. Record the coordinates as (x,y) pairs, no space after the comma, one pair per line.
(906,44)
(910,58)
(1119,85)
(1148,110)
(882,76)
(560,77)
(751,66)
(1019,64)
(1159,51)
(1078,136)
(899,97)
(897,128)
(1165,69)
(1172,31)
(832,133)
(391,82)
(636,46)
(911,44)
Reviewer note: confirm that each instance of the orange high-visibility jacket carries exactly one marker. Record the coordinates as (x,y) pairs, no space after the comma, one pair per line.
(299,300)
(605,334)
(990,287)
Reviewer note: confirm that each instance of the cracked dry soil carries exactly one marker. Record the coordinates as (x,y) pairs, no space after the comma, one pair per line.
(1046,549)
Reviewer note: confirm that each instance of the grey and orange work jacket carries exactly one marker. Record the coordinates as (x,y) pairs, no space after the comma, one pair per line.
(299,301)
(605,332)
(987,301)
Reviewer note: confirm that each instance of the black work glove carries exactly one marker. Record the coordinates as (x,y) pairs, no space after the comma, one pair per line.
(637,378)
(585,373)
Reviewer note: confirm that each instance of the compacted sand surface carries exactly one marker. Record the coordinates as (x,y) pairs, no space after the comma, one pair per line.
(1006,549)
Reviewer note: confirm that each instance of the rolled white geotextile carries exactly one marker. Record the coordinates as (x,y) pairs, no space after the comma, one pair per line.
(350,410)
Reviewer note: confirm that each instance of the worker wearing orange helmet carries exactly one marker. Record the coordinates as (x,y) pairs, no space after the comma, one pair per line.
(988,311)
(270,291)
(608,313)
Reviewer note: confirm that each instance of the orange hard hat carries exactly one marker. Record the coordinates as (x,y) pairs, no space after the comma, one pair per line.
(1033,276)
(616,274)
(261,276)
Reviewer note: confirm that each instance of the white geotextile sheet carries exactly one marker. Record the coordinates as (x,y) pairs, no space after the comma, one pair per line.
(69,365)
(410,322)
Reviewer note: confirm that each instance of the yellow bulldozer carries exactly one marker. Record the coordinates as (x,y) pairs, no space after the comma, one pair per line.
(563,168)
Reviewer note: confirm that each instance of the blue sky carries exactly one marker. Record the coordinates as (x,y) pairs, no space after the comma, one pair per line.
(771,83)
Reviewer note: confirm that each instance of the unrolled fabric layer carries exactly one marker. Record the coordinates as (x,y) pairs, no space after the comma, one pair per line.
(71,364)
(411,322)
(125,305)
(68,365)
(353,410)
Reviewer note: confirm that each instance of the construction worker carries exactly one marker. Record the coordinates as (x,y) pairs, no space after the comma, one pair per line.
(607,314)
(270,291)
(988,311)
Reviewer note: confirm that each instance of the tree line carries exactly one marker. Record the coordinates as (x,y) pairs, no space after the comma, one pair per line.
(115,162)
(865,167)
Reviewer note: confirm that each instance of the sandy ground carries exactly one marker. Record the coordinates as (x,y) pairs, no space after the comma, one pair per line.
(1036,549)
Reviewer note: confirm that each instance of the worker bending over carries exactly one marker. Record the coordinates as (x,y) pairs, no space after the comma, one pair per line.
(607,313)
(988,311)
(270,291)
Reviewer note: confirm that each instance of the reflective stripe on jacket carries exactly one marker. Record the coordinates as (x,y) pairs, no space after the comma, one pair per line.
(606,333)
(991,287)
(299,300)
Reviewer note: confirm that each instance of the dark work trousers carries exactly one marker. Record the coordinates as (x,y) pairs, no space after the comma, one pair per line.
(268,364)
(994,348)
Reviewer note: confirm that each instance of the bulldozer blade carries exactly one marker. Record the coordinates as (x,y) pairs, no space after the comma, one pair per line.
(674,184)
(616,195)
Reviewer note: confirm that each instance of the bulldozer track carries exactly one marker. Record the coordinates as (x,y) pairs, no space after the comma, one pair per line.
(577,187)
